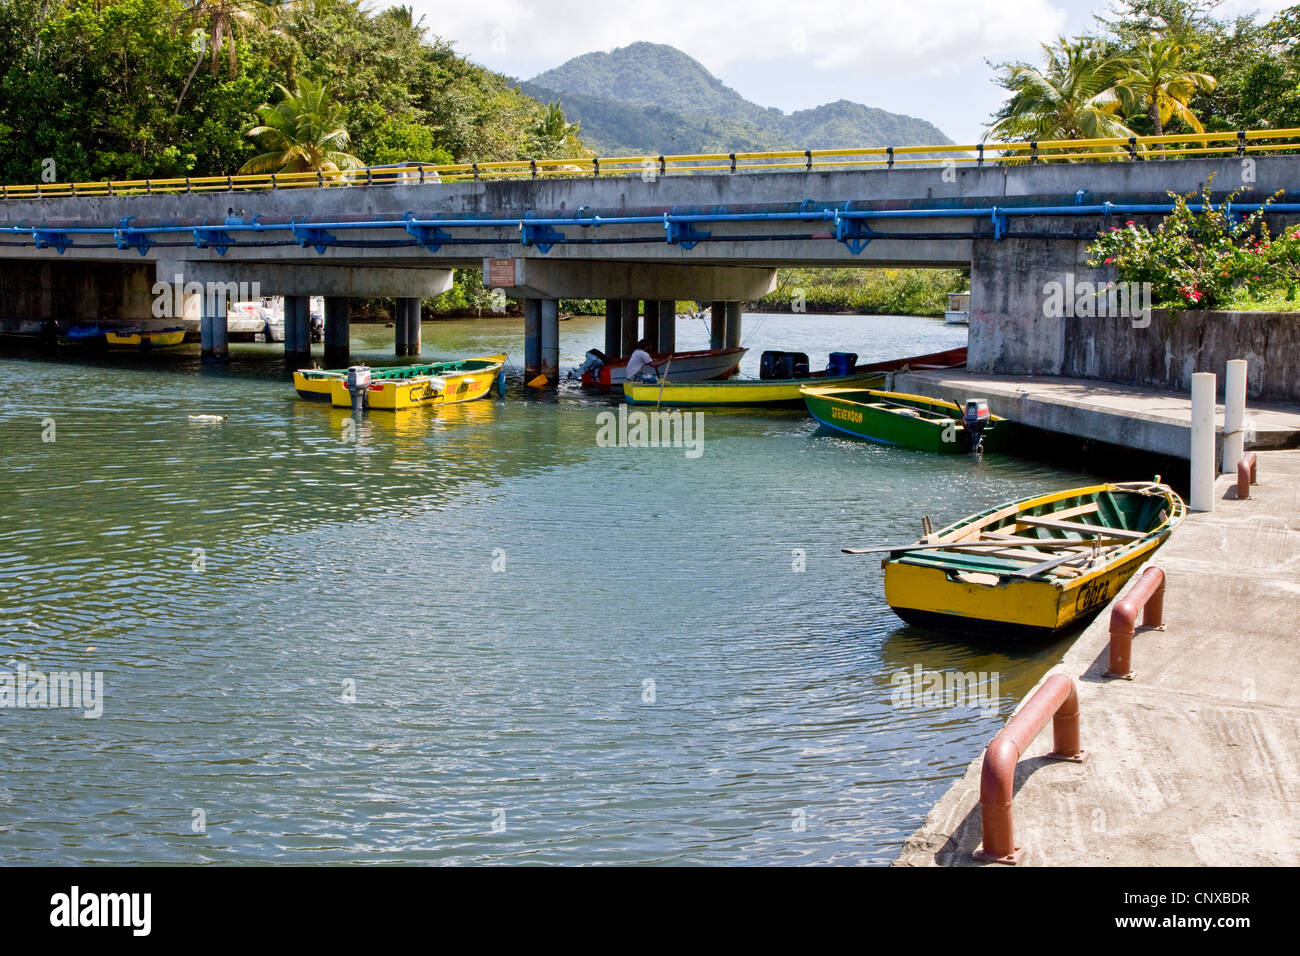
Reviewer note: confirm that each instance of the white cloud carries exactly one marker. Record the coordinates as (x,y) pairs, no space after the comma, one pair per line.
(875,37)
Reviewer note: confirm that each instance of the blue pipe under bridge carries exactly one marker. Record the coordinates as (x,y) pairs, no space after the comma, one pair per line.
(850,227)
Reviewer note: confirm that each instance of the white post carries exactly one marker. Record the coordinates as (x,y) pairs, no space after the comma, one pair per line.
(1202,451)
(1234,414)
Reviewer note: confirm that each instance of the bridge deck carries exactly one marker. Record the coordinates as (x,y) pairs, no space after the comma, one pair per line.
(1127,415)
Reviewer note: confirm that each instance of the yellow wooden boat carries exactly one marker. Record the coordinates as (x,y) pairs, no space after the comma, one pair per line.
(777,392)
(144,338)
(769,393)
(462,381)
(1031,568)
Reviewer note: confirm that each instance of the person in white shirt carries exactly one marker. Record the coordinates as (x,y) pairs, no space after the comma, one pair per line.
(640,359)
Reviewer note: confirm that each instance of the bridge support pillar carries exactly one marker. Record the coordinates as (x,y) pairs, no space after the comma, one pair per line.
(297,329)
(628,338)
(400,327)
(542,341)
(337,331)
(214,331)
(650,324)
(413,344)
(717,325)
(667,324)
(733,325)
(613,327)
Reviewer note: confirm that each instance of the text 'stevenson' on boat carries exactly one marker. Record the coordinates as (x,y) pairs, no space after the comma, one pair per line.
(1031,568)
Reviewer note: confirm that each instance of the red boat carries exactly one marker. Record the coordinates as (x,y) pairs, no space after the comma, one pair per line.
(951,358)
(699,366)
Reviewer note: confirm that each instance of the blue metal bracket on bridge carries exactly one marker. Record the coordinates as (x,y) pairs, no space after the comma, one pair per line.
(430,237)
(318,239)
(999,224)
(127,238)
(854,233)
(51,239)
(217,239)
(683,234)
(541,236)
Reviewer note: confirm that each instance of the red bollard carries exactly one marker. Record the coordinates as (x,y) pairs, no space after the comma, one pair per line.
(1247,475)
(1146,597)
(1057,700)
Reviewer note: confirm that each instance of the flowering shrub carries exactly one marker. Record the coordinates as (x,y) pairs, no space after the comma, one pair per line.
(1196,259)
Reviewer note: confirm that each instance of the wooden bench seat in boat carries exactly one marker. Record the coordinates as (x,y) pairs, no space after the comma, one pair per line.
(1096,529)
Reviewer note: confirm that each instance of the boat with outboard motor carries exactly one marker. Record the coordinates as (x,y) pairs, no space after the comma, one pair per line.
(600,371)
(776,389)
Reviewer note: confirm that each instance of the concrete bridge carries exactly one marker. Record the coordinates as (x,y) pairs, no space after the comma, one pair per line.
(705,236)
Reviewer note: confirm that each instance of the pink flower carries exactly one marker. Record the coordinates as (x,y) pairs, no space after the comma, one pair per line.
(1109,261)
(1129,223)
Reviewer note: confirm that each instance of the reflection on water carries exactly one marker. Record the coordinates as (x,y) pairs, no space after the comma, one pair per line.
(469,633)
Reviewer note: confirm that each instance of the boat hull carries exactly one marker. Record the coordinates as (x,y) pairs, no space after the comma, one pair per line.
(980,593)
(782,392)
(698,366)
(1017,610)
(422,391)
(778,393)
(146,339)
(316,384)
(884,418)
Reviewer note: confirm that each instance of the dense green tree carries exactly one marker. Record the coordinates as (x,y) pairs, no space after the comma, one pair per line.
(118,89)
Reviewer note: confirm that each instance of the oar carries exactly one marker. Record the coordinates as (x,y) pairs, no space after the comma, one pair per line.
(1053,545)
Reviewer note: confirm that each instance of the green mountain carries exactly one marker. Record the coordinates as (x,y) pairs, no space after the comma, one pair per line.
(650,98)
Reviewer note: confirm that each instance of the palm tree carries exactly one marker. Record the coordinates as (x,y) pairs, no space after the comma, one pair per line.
(552,131)
(216,24)
(1154,81)
(304,132)
(1073,97)
(222,21)
(405,16)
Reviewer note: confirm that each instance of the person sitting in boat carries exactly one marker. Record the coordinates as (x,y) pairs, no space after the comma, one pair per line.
(639,367)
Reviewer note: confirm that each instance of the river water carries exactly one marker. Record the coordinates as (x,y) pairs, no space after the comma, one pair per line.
(470,635)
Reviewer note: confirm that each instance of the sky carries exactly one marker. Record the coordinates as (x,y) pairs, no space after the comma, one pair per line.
(924,58)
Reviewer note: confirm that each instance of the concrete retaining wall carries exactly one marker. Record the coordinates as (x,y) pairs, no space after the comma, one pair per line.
(1166,353)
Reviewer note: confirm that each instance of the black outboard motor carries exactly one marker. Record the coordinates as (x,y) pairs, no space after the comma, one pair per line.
(976,418)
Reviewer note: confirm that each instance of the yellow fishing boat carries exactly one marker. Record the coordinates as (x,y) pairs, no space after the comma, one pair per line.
(777,392)
(771,393)
(415,386)
(1030,568)
(144,338)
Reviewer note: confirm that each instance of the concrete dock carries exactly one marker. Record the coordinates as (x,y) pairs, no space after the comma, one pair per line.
(1134,417)
(1195,761)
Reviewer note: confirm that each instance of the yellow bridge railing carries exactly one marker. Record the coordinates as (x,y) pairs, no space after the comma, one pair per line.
(812,160)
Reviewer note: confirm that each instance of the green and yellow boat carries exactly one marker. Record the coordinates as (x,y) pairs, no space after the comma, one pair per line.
(405,386)
(906,421)
(1030,568)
